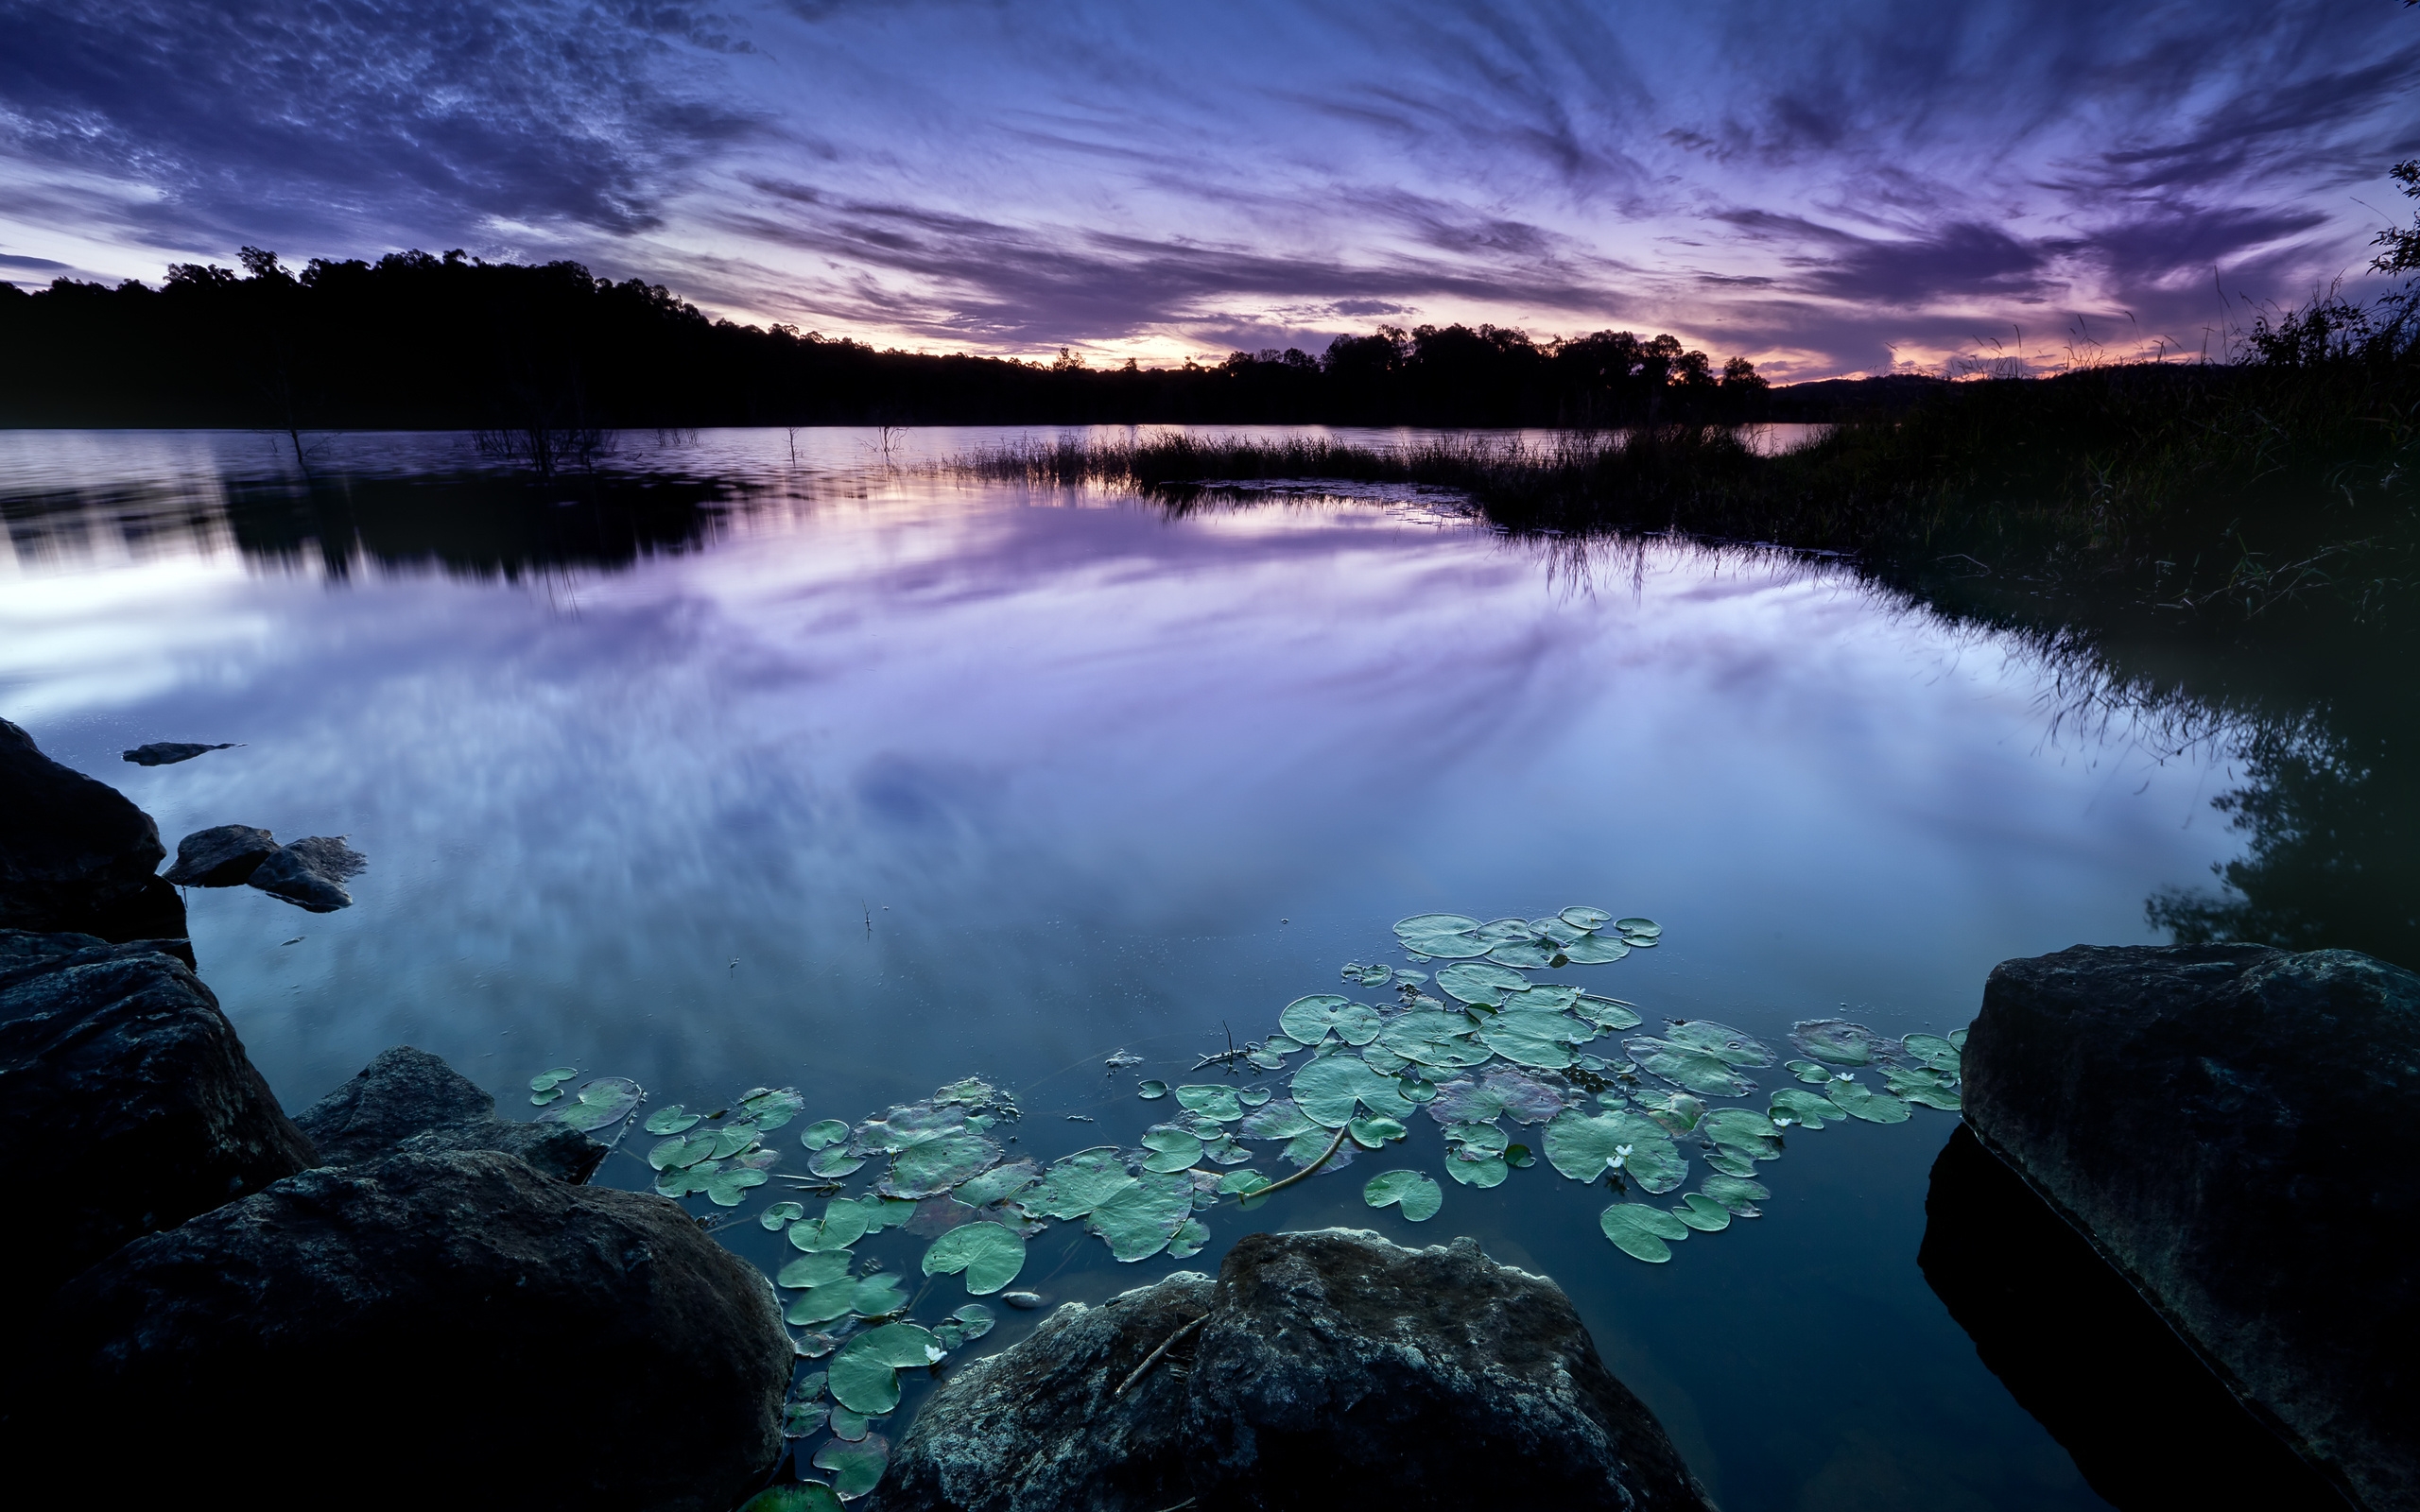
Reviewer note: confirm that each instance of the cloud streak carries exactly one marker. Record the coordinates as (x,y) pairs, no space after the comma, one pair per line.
(1886,186)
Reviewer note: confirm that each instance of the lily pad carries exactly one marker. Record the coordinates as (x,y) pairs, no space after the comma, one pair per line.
(606,1101)
(1419,1196)
(1541,1037)
(857,1468)
(988,1253)
(1447,937)
(1702,1213)
(1242,1184)
(1152,1091)
(551,1095)
(1172,1149)
(877,1296)
(835,1162)
(1277,1119)
(822,1135)
(1536,954)
(1678,1112)
(1722,1042)
(1731,1162)
(1487,985)
(1210,1100)
(1838,1042)
(850,1427)
(1644,928)
(1490,1170)
(1933,1089)
(685,1181)
(1743,1129)
(1189,1239)
(1809,1071)
(1805,1109)
(998,1184)
(672,1120)
(780,1214)
(800,1420)
(1076,1184)
(933,1166)
(805,1496)
(728,1188)
(810,1272)
(734,1139)
(1595,950)
(1737,1193)
(1858,1100)
(1433,1038)
(844,1224)
(974,1320)
(769,1108)
(1479,1139)
(683,1150)
(1326,1090)
(1933,1052)
(1308,1020)
(1958,1040)
(1139,1219)
(1641,1231)
(545,1079)
(1500,1093)
(1586,919)
(1584,1149)
(1701,1072)
(1519,1157)
(1371,1133)
(1605,1013)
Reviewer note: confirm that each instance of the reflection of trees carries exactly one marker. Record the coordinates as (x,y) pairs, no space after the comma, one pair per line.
(2331,814)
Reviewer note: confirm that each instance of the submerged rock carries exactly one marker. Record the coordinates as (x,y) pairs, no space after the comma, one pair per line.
(75,854)
(408,1101)
(131,1105)
(2226,1124)
(1330,1370)
(169,752)
(311,873)
(429,1330)
(224,856)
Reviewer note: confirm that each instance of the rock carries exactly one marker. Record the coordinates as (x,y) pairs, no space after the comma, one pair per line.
(75,854)
(169,752)
(2149,1424)
(408,1100)
(422,1330)
(310,873)
(225,856)
(2226,1124)
(130,1104)
(1329,1370)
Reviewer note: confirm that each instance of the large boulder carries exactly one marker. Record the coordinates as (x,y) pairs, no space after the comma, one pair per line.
(410,1101)
(1330,1370)
(224,855)
(75,854)
(2226,1124)
(130,1104)
(423,1331)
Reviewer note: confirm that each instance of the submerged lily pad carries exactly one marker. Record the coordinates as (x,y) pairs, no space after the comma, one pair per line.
(1210,1100)
(1839,1042)
(822,1135)
(1152,1091)
(1701,1072)
(1722,1042)
(1076,1184)
(672,1120)
(1487,985)
(1277,1119)
(974,1320)
(1809,1109)
(1502,1091)
(1640,1231)
(998,1184)
(1419,1196)
(933,1165)
(1140,1218)
(1535,1036)
(605,1101)
(800,1420)
(988,1253)
(1584,1149)
(1858,1100)
(806,1496)
(1308,1020)
(857,1468)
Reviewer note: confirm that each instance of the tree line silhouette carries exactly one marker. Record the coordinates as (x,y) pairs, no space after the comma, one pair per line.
(421,341)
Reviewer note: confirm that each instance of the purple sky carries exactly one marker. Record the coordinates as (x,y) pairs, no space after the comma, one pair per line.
(1831,189)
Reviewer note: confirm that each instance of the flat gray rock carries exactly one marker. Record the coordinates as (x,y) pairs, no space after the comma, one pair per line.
(130,1104)
(310,873)
(1330,1372)
(75,854)
(408,1100)
(224,856)
(432,1330)
(2227,1124)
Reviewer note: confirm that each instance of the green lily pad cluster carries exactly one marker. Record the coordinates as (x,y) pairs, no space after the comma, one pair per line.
(1482,1044)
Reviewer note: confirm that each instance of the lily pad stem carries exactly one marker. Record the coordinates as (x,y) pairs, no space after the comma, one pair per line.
(1153,1358)
(1338,1143)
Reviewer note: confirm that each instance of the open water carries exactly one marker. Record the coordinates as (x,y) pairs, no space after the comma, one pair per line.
(779,760)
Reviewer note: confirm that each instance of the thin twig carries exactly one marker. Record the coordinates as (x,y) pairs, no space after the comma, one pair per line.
(1258,1192)
(1153,1358)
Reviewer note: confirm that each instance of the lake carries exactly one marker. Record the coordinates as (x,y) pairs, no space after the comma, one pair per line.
(774,759)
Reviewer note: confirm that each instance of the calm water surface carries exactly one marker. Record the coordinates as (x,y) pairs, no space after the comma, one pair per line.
(737,769)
